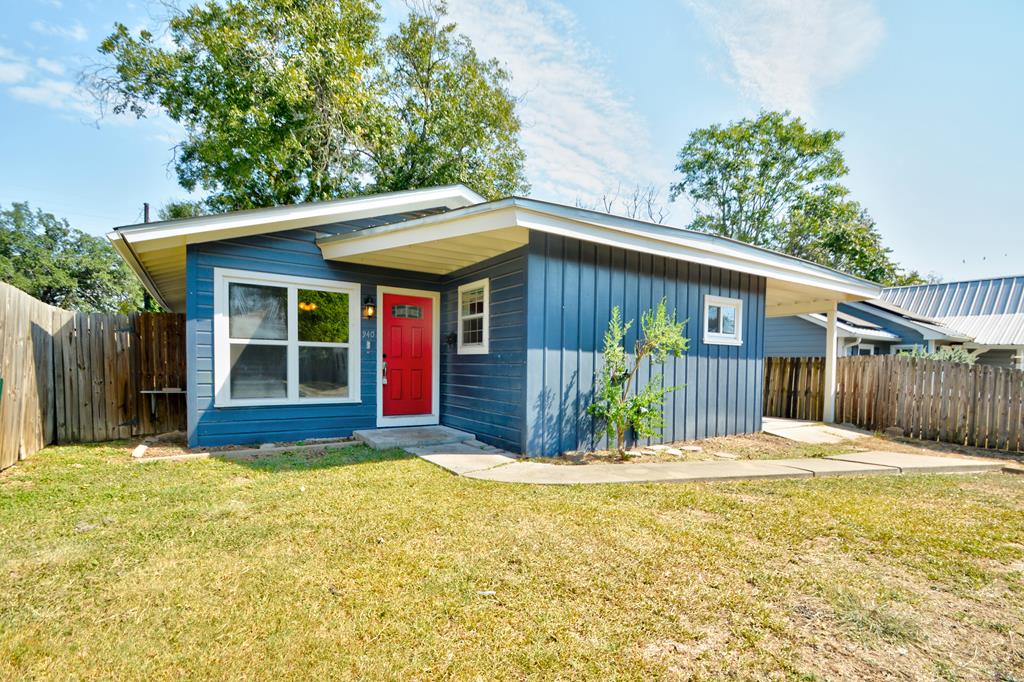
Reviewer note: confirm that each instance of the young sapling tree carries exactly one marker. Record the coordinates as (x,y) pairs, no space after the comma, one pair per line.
(616,404)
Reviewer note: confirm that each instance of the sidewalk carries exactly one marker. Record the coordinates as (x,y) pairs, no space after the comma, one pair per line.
(470,462)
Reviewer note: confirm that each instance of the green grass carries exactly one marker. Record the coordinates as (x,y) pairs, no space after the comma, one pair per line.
(370,565)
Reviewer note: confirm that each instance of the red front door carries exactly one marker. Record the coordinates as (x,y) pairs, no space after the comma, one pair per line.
(407,353)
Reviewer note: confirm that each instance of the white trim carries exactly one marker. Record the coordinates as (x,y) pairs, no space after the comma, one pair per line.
(434,417)
(126,252)
(865,346)
(222,226)
(601,228)
(898,348)
(926,331)
(477,348)
(222,343)
(850,332)
(722,339)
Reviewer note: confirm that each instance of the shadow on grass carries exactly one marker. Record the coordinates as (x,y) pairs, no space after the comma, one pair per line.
(306,460)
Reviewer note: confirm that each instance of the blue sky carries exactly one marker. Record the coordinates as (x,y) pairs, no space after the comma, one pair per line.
(928,93)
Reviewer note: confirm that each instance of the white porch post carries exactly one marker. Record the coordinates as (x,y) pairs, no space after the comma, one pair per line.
(831,350)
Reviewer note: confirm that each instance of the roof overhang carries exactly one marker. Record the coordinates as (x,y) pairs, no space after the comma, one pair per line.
(156,251)
(447,242)
(929,331)
(847,331)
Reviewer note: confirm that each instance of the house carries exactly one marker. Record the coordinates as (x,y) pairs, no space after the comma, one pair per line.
(434,306)
(863,328)
(984,316)
(989,311)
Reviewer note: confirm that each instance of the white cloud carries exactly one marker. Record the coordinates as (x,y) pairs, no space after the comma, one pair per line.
(57,94)
(783,52)
(50,66)
(581,137)
(13,72)
(74,32)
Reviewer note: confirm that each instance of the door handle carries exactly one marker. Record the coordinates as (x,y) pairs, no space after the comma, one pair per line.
(384,372)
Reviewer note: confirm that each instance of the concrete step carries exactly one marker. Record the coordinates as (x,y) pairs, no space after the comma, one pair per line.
(411,436)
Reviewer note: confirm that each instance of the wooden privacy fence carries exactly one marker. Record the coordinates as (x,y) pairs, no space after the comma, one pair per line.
(979,406)
(73,377)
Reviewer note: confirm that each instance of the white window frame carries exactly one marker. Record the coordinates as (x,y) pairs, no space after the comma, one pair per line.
(475,348)
(900,347)
(222,277)
(719,338)
(865,346)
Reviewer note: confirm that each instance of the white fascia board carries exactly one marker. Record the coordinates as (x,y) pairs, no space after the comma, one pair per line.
(854,332)
(608,230)
(125,251)
(241,223)
(928,333)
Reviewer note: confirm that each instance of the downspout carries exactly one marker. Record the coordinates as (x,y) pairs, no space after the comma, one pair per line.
(852,344)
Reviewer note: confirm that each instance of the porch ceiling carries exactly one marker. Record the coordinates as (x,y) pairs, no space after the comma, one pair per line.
(441,256)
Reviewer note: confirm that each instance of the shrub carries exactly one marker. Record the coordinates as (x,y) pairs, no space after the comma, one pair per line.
(944,353)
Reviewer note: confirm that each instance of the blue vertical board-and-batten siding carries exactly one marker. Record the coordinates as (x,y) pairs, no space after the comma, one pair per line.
(481,394)
(573,285)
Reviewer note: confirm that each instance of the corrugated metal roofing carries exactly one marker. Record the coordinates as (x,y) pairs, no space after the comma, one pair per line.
(990,310)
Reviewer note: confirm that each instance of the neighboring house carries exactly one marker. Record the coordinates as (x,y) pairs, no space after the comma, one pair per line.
(434,306)
(863,328)
(989,311)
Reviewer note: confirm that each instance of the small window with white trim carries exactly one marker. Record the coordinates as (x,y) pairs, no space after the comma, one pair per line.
(723,320)
(474,314)
(906,348)
(282,340)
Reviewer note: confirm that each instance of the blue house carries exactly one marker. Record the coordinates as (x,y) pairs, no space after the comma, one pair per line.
(863,328)
(435,306)
(989,311)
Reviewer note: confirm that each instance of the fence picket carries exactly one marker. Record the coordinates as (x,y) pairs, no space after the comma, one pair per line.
(73,377)
(979,406)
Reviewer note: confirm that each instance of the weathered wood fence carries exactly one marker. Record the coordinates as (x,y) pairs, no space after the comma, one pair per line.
(979,406)
(74,377)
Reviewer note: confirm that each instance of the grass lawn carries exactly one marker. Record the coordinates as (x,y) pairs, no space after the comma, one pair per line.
(361,564)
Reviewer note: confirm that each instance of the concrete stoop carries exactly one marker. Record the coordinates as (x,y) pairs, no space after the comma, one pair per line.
(411,436)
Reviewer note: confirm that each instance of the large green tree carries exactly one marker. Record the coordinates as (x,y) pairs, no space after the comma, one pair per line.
(773,182)
(45,257)
(286,101)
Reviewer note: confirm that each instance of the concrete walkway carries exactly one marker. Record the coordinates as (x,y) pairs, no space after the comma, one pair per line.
(463,455)
(464,460)
(810,432)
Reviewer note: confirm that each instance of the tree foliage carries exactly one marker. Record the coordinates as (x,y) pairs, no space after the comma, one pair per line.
(616,403)
(286,101)
(773,182)
(44,257)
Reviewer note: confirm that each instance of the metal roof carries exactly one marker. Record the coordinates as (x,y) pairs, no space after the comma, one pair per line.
(990,310)
(929,328)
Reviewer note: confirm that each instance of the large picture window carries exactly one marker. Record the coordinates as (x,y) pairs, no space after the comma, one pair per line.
(282,340)
(474,314)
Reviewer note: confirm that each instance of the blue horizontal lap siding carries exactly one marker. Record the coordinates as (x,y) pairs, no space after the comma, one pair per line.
(483,394)
(289,253)
(793,337)
(572,286)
